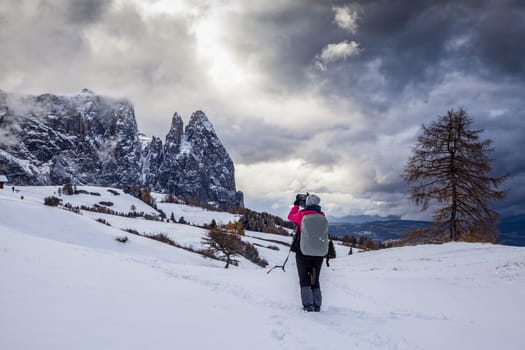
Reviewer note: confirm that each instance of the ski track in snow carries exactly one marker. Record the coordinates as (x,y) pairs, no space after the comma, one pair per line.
(288,323)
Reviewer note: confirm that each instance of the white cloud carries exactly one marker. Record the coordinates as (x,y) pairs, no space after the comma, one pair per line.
(346,17)
(336,52)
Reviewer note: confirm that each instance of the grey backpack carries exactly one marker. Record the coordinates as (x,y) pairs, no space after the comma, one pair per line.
(314,235)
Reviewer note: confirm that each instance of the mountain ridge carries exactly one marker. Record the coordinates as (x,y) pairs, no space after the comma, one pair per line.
(89,139)
(512,229)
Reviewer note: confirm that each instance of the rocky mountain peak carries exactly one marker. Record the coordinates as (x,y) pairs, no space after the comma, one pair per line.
(174,136)
(199,122)
(89,139)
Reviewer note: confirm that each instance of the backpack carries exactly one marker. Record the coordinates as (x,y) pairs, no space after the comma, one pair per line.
(314,235)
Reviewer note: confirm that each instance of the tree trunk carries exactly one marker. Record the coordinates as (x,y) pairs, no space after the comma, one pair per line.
(453,136)
(453,225)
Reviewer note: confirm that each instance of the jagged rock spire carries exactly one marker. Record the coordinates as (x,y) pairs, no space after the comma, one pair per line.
(93,140)
(174,136)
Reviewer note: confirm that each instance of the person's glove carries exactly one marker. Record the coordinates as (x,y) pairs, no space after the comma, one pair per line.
(297,199)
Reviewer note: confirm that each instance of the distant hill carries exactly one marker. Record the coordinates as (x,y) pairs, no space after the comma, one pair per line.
(379,231)
(512,228)
(358,219)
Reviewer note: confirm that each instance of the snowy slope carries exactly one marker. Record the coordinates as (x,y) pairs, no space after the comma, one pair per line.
(84,230)
(67,284)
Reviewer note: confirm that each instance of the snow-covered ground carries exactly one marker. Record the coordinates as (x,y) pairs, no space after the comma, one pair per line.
(66,283)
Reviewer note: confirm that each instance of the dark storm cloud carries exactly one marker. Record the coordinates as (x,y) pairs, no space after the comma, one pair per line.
(498,38)
(416,41)
(508,141)
(350,117)
(419,42)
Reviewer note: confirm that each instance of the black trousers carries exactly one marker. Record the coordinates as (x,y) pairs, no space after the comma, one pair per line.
(308,268)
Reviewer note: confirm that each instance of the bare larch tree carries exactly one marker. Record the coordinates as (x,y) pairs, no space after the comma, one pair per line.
(227,245)
(450,167)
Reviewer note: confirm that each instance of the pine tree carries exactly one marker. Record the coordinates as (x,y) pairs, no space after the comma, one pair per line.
(449,167)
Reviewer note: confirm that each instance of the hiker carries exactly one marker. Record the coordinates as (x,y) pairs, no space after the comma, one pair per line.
(309,252)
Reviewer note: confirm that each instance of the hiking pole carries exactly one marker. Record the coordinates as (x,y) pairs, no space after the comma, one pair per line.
(283,265)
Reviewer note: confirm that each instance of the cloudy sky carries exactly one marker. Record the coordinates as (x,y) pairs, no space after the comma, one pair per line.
(320,96)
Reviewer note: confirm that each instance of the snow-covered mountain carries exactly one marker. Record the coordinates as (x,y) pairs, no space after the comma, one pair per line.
(67,283)
(88,139)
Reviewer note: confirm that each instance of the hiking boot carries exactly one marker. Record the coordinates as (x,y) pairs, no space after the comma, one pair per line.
(309,308)
(307,298)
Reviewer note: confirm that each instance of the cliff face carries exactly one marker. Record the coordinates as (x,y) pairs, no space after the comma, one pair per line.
(89,139)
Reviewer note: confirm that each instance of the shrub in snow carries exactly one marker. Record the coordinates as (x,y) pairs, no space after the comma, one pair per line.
(169,198)
(133,231)
(52,201)
(107,204)
(70,207)
(161,237)
(251,253)
(68,189)
(103,221)
(273,247)
(122,239)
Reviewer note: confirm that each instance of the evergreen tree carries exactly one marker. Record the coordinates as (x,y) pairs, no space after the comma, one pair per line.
(350,251)
(449,167)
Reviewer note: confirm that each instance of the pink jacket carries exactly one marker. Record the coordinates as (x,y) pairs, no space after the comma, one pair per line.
(296,215)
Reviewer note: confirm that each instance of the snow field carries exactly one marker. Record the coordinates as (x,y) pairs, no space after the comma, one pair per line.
(66,283)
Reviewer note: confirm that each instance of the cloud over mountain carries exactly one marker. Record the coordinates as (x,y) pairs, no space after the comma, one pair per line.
(386,68)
